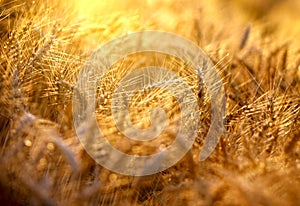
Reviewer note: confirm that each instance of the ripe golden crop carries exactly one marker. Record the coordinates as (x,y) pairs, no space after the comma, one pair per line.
(254,46)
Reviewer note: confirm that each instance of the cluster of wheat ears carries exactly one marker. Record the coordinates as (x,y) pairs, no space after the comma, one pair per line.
(44,45)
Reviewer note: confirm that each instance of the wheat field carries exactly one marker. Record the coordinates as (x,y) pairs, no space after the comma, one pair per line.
(255,47)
